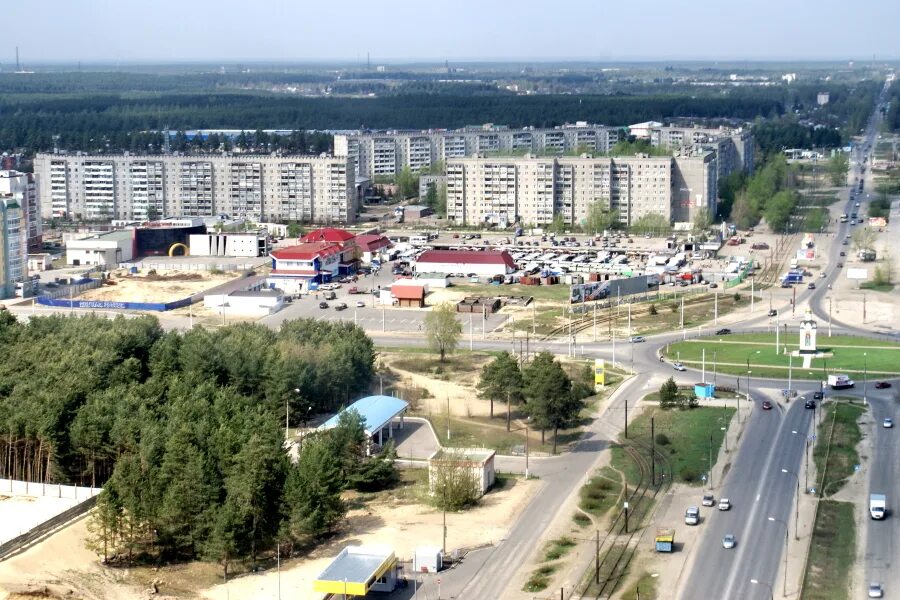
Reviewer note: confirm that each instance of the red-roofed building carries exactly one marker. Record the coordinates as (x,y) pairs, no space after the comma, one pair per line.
(344,239)
(373,248)
(296,267)
(484,263)
(409,295)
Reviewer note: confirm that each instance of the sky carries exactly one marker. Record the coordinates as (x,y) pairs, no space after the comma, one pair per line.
(396,31)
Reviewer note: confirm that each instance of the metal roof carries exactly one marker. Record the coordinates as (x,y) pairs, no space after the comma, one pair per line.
(355,569)
(376,411)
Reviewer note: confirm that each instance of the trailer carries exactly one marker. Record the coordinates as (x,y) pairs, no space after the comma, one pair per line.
(840,382)
(877,506)
(665,540)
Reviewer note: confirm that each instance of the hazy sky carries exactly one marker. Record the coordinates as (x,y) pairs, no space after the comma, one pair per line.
(301,30)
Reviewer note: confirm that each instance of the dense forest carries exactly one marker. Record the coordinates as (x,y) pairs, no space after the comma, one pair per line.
(892,115)
(185,430)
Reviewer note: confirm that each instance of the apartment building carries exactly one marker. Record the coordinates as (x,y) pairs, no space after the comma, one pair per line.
(21,188)
(533,190)
(13,250)
(384,154)
(317,189)
(733,147)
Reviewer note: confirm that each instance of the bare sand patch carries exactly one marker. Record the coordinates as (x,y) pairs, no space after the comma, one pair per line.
(174,285)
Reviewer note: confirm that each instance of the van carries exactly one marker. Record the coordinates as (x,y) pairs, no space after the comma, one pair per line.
(692,516)
(330,296)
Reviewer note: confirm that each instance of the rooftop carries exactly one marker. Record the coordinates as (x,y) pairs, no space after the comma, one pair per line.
(327,234)
(307,251)
(354,569)
(475,257)
(376,411)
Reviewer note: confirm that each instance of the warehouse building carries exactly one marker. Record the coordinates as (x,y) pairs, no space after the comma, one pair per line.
(358,570)
(103,249)
(230,244)
(486,263)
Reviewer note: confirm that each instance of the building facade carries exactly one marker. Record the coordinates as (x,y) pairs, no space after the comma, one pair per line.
(318,189)
(733,147)
(384,154)
(13,250)
(22,188)
(532,190)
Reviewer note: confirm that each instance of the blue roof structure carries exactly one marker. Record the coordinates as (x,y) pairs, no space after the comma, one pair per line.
(376,411)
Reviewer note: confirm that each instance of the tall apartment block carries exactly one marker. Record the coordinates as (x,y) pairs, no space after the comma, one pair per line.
(317,189)
(733,147)
(533,190)
(21,187)
(13,250)
(384,154)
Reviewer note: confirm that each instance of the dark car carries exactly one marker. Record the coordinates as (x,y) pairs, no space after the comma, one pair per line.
(773,312)
(809,404)
(881,385)
(713,286)
(811,286)
(843,253)
(723,331)
(766,405)
(844,243)
(840,265)
(340,306)
(323,305)
(818,395)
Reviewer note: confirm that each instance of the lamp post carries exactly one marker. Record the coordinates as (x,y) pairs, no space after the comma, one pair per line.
(784,579)
(865,377)
(758,582)
(751,353)
(796,504)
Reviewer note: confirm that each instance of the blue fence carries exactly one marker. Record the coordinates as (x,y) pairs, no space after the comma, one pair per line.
(112,304)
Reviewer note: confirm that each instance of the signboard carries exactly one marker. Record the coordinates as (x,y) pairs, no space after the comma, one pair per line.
(857,273)
(588,292)
(877,222)
(806,254)
(599,290)
(599,372)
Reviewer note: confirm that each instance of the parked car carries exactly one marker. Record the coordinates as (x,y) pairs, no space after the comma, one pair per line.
(818,395)
(843,253)
(360,304)
(840,265)
(678,366)
(713,286)
(723,331)
(323,305)
(340,306)
(692,516)
(823,275)
(724,504)
(811,286)
(844,243)
(766,405)
(728,541)
(708,500)
(881,385)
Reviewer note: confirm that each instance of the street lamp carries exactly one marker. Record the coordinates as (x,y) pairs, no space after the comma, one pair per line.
(751,353)
(865,376)
(796,504)
(784,579)
(758,582)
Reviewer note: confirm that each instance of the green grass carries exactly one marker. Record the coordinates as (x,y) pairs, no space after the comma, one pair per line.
(540,579)
(556,293)
(832,553)
(642,589)
(689,443)
(730,353)
(876,287)
(556,549)
(581,520)
(842,458)
(601,492)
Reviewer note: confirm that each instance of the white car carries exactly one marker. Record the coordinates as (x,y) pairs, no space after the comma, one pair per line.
(875,590)
(637,339)
(724,504)
(728,541)
(888,423)
(708,500)
(360,304)
(679,367)
(692,516)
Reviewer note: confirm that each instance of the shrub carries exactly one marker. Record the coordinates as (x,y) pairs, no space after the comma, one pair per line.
(662,439)
(653,310)
(688,475)
(737,296)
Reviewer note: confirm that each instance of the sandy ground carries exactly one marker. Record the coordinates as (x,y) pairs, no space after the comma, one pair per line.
(464,401)
(22,510)
(142,288)
(402,528)
(62,563)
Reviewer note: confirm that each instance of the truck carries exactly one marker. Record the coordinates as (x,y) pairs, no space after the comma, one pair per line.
(839,382)
(792,277)
(877,506)
(665,540)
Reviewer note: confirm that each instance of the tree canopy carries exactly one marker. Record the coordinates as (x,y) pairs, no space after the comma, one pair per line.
(443,329)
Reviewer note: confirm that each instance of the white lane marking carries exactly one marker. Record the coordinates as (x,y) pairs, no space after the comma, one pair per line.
(757,497)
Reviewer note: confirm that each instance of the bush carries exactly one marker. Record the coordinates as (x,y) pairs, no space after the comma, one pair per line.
(737,297)
(688,475)
(653,310)
(662,439)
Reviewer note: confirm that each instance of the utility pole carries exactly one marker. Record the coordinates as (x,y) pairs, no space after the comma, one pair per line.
(790,370)
(625,505)
(626,417)
(652,453)
(448,417)
(471,333)
(829,316)
(526,452)
(710,461)
(597,558)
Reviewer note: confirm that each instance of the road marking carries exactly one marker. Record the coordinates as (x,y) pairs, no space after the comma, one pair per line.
(757,497)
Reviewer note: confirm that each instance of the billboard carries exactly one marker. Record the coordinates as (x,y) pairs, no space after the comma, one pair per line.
(806,254)
(599,290)
(857,273)
(599,372)
(877,222)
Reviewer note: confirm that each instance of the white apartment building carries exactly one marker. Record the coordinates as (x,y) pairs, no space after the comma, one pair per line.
(317,189)
(21,188)
(384,154)
(733,147)
(13,249)
(532,190)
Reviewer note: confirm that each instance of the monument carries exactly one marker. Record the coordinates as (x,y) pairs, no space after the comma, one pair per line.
(808,334)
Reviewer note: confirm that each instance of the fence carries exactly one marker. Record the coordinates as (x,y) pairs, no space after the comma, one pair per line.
(73,290)
(190,266)
(113,305)
(741,276)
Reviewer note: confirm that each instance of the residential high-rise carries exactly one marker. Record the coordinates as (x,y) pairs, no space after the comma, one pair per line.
(13,250)
(386,153)
(317,189)
(21,188)
(534,190)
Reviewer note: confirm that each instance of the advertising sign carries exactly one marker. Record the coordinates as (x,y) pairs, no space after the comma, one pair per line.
(857,273)
(587,292)
(877,222)
(599,372)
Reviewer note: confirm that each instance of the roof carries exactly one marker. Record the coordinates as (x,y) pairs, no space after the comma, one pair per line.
(307,251)
(355,569)
(376,411)
(328,234)
(474,257)
(370,241)
(408,291)
(479,455)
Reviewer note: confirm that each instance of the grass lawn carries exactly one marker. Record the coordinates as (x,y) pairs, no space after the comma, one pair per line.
(843,456)
(730,354)
(832,553)
(601,492)
(687,437)
(643,589)
(555,293)
(876,287)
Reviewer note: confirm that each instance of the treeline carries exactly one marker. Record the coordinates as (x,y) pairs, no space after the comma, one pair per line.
(777,135)
(892,114)
(108,122)
(768,194)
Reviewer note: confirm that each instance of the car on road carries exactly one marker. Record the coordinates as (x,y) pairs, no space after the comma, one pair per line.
(844,243)
(840,265)
(692,516)
(724,504)
(888,423)
(809,404)
(875,590)
(340,306)
(360,304)
(818,395)
(728,541)
(881,385)
(323,305)
(713,286)
(811,286)
(678,366)
(773,312)
(637,339)
(823,275)
(708,500)
(843,253)
(766,405)
(723,331)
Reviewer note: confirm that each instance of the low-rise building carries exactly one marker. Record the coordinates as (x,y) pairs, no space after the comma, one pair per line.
(417,211)
(478,461)
(409,293)
(486,263)
(294,269)
(41,261)
(105,249)
(255,303)
(373,248)
(230,244)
